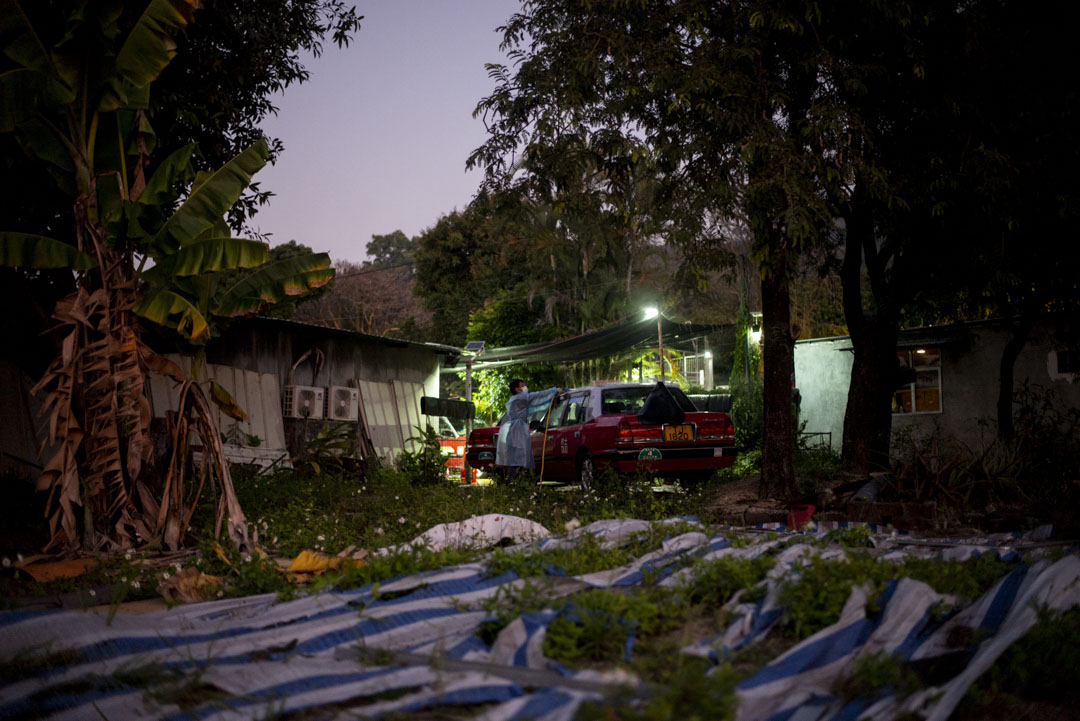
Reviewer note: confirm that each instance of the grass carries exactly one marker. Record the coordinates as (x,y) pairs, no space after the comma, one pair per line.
(332,512)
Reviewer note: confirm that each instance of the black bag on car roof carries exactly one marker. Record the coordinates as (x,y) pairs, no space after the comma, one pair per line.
(660,406)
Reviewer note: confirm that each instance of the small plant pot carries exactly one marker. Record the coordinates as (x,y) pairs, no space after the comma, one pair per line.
(800,515)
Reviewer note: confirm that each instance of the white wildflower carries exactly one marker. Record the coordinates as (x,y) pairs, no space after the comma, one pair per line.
(135,584)
(397,498)
(93,592)
(320,537)
(401,520)
(379,531)
(220,594)
(165,576)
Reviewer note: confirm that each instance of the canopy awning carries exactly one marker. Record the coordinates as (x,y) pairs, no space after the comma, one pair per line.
(628,334)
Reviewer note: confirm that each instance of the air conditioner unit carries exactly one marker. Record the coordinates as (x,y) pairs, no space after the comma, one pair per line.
(304,402)
(343,403)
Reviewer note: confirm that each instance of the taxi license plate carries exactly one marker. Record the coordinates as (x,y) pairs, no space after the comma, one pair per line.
(681,432)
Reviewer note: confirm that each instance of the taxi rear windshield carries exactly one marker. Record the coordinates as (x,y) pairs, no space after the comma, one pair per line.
(630,400)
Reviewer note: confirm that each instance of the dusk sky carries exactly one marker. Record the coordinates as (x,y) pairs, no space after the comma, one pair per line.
(376,139)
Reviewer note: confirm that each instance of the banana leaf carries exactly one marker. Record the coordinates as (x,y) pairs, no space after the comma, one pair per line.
(174,311)
(26,250)
(224,400)
(176,168)
(208,256)
(211,198)
(19,91)
(20,42)
(273,283)
(148,48)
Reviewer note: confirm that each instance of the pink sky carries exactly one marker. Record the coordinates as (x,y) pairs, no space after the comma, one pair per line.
(376,140)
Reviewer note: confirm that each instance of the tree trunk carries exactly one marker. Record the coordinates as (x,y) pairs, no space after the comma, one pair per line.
(868,415)
(777,463)
(1005,378)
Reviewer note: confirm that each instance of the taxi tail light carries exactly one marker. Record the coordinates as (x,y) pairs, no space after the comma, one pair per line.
(481,440)
(630,432)
(719,430)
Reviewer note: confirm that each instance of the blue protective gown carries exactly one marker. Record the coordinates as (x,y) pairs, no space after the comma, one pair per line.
(515,446)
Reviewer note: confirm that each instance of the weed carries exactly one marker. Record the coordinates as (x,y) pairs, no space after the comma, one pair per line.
(407,561)
(814,466)
(851,536)
(693,691)
(814,599)
(36,660)
(598,624)
(1039,667)
(714,582)
(514,599)
(425,464)
(875,674)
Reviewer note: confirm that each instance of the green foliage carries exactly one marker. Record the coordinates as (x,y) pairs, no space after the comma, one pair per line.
(815,598)
(748,414)
(875,674)
(491,386)
(425,464)
(851,536)
(747,463)
(512,600)
(391,249)
(928,466)
(815,466)
(598,626)
(333,449)
(586,556)
(714,582)
(1039,667)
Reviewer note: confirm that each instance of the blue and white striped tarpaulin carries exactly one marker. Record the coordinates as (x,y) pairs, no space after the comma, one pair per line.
(414,642)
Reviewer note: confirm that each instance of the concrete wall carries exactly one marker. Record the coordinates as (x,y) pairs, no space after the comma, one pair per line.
(822,375)
(969,383)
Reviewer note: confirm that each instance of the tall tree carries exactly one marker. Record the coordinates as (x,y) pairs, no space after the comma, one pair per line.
(724,95)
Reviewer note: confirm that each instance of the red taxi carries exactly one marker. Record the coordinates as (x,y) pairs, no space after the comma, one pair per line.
(654,429)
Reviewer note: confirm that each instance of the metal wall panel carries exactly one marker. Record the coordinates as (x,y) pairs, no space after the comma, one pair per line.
(382,418)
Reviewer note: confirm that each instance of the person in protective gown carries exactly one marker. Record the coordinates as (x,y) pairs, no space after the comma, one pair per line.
(514,449)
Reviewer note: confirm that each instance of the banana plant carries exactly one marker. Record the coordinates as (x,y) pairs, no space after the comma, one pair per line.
(75,96)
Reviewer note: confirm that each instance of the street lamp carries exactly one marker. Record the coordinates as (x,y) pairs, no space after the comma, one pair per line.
(653,312)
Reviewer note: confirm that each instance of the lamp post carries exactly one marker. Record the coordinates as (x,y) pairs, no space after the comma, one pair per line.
(473,348)
(652,312)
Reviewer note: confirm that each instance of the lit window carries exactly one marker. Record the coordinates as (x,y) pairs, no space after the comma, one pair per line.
(922,391)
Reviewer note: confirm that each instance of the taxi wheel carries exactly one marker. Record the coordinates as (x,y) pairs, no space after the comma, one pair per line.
(586,472)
